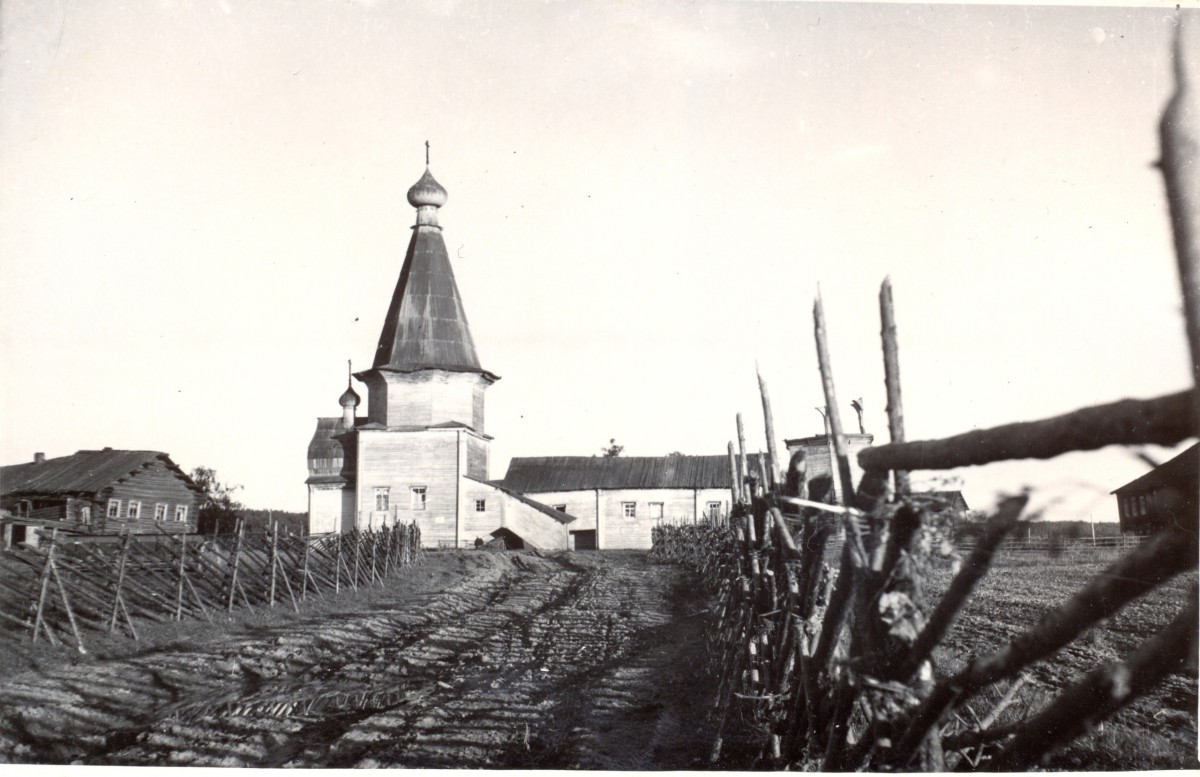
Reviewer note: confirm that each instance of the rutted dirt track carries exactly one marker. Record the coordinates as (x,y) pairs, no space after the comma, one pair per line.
(506,660)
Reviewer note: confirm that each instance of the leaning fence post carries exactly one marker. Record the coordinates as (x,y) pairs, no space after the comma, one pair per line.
(735,486)
(891,375)
(62,592)
(274,556)
(746,495)
(769,423)
(179,588)
(304,572)
(831,407)
(112,621)
(44,588)
(237,555)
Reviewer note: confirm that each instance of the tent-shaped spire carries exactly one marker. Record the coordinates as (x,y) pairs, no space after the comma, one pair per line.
(426,326)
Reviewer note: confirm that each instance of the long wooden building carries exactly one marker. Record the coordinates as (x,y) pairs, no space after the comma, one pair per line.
(1167,495)
(98,492)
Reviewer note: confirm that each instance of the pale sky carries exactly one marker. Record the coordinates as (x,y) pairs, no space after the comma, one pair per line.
(203,215)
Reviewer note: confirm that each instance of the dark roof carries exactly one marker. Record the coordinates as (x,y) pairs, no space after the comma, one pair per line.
(574,473)
(426,325)
(1182,470)
(85,472)
(557,515)
(946,500)
(332,455)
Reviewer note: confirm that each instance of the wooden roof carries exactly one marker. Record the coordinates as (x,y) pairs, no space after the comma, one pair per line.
(84,472)
(426,325)
(1181,471)
(575,473)
(557,515)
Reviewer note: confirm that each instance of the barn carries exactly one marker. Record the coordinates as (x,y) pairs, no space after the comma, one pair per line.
(1164,496)
(98,492)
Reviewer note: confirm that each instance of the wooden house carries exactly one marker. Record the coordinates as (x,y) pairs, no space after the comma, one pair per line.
(1167,495)
(421,452)
(617,501)
(98,492)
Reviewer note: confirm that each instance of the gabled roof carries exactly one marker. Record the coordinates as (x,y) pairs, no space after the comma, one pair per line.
(85,472)
(1181,471)
(426,325)
(574,473)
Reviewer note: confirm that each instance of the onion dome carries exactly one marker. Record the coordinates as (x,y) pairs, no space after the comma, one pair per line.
(349,398)
(427,191)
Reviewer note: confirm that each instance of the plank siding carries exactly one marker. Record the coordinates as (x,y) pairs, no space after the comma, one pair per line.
(401,460)
(477,457)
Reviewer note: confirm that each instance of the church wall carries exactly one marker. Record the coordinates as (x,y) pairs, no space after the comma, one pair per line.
(326,508)
(430,397)
(502,510)
(400,461)
(477,457)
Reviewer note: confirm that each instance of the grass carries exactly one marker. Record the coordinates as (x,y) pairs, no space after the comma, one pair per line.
(1157,731)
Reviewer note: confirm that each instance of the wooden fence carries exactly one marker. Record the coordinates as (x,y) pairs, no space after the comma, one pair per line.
(829,666)
(71,584)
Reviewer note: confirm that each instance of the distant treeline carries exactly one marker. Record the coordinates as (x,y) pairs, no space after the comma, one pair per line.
(225,521)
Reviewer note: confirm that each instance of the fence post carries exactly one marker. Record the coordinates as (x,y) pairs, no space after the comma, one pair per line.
(179,588)
(274,556)
(891,376)
(44,588)
(304,572)
(112,621)
(237,555)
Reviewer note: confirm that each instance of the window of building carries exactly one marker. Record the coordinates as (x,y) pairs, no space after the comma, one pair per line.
(656,510)
(134,510)
(160,512)
(85,514)
(114,508)
(629,509)
(417,498)
(560,508)
(181,512)
(713,509)
(480,505)
(382,498)
(1142,504)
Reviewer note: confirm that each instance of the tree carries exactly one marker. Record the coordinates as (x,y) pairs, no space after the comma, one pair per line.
(218,508)
(612,450)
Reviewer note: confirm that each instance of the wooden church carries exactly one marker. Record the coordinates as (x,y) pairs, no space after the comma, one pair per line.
(421,452)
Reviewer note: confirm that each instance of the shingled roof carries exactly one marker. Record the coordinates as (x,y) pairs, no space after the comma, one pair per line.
(84,472)
(535,474)
(1179,471)
(426,325)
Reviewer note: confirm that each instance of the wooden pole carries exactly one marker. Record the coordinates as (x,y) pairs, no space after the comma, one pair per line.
(833,415)
(112,623)
(62,592)
(237,555)
(273,562)
(179,588)
(44,588)
(1162,421)
(742,466)
(1179,134)
(891,376)
(772,483)
(304,572)
(735,486)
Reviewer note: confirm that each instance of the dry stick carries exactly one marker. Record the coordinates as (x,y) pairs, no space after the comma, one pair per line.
(62,593)
(746,495)
(179,589)
(769,423)
(237,556)
(1160,558)
(112,622)
(831,407)
(304,576)
(1162,421)
(1179,134)
(735,486)
(273,560)
(288,585)
(961,588)
(44,586)
(1104,691)
(891,376)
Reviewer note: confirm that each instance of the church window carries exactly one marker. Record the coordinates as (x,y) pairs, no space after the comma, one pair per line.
(629,509)
(656,510)
(114,508)
(480,505)
(85,514)
(381,498)
(134,510)
(160,512)
(181,512)
(417,498)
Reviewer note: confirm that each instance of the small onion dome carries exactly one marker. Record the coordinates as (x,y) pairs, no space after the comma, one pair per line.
(349,398)
(427,191)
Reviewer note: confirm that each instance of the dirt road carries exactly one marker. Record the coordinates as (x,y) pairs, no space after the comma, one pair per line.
(476,659)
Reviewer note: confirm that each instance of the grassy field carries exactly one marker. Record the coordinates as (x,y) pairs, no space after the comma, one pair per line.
(1155,732)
